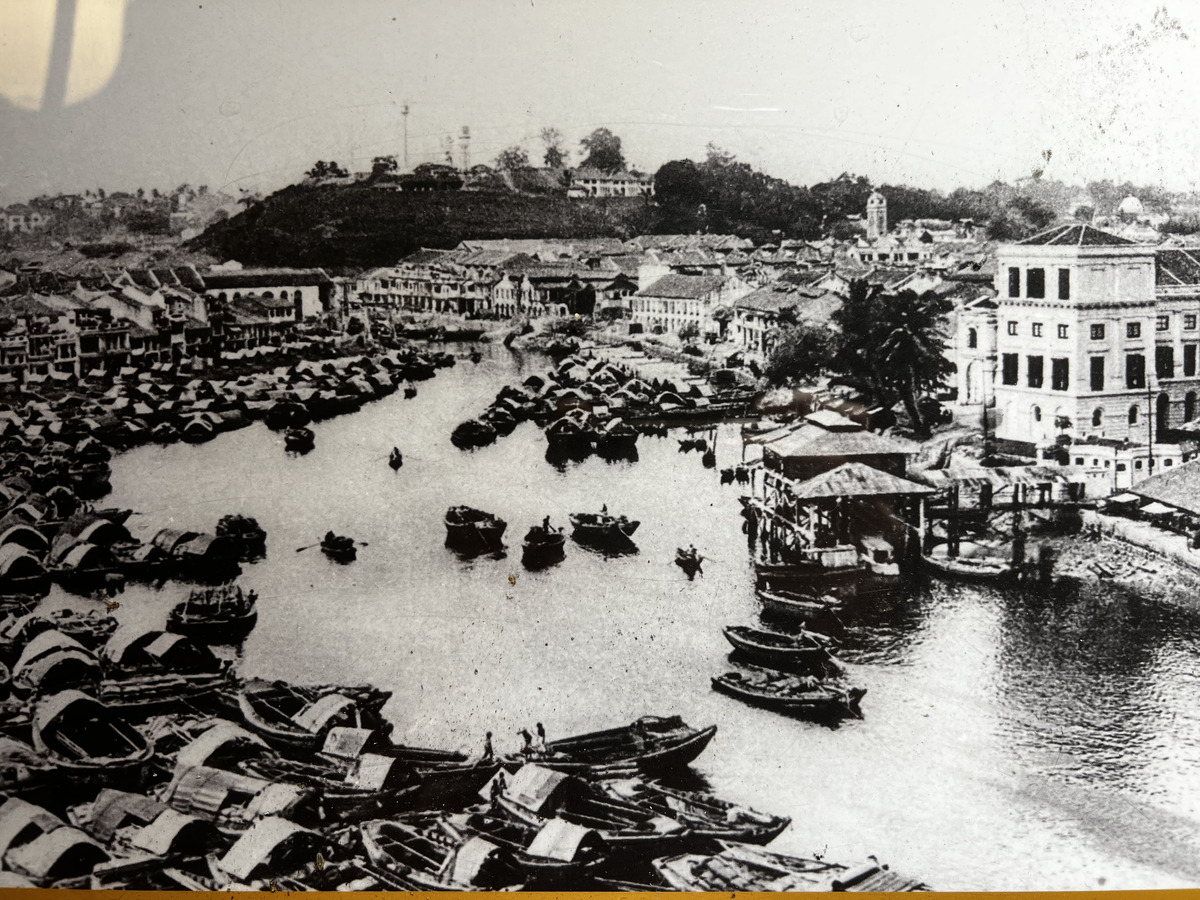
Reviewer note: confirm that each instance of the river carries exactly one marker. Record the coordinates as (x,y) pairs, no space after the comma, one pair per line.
(1011,740)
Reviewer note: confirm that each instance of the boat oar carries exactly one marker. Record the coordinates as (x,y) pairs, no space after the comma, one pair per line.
(309,547)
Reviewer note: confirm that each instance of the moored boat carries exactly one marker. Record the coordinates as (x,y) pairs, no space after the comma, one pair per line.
(244,532)
(410,858)
(690,561)
(297,717)
(652,744)
(805,652)
(543,546)
(602,529)
(220,615)
(800,695)
(395,459)
(471,434)
(969,566)
(705,814)
(819,612)
(547,855)
(473,529)
(616,438)
(87,742)
(299,440)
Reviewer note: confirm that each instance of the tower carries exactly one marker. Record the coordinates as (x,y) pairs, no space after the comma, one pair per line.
(464,140)
(404,113)
(876,216)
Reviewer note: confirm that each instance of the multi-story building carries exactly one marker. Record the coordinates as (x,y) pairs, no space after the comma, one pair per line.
(594,183)
(673,302)
(1095,339)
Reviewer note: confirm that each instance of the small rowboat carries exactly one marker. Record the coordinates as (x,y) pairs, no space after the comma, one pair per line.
(970,568)
(410,390)
(542,547)
(407,857)
(601,528)
(299,440)
(652,744)
(395,459)
(689,561)
(795,695)
(339,548)
(805,653)
(87,742)
(297,717)
(707,816)
(806,610)
(473,529)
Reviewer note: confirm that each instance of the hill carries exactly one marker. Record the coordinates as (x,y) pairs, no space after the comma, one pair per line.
(353,227)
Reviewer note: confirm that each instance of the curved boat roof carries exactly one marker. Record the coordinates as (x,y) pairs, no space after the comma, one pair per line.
(259,844)
(16,815)
(206,745)
(63,852)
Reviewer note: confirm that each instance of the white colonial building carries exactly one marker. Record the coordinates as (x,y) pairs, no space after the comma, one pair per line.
(1096,340)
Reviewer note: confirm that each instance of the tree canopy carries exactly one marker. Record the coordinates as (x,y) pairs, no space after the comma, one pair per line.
(511,159)
(329,169)
(602,151)
(555,156)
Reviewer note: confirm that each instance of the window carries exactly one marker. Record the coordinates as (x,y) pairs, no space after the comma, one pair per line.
(1034,371)
(1189,406)
(1064,284)
(1133,329)
(1062,331)
(1037,329)
(1014,282)
(1079,460)
(1097,332)
(1012,328)
(1037,414)
(1009,367)
(1137,463)
(1135,370)
(1133,414)
(1035,283)
(972,338)
(1121,467)
(1097,373)
(1097,417)
(1164,362)
(1168,462)
(1162,323)
(1189,360)
(1189,321)
(1060,376)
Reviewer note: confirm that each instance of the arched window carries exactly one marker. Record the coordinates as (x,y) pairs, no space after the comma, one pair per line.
(1097,418)
(1037,414)
(1133,414)
(268,295)
(972,338)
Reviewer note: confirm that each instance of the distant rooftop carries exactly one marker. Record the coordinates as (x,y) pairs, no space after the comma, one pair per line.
(1075,235)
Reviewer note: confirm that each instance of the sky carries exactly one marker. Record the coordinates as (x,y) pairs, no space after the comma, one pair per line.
(247,94)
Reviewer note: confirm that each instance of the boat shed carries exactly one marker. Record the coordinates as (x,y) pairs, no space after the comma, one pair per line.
(820,446)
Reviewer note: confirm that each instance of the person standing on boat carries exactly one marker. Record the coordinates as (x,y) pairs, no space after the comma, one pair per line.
(604,509)
(498,786)
(539,745)
(546,525)
(488,753)
(527,747)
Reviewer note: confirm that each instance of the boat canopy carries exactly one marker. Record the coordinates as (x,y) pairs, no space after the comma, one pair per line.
(45,643)
(473,854)
(52,708)
(63,853)
(534,787)
(22,819)
(373,772)
(265,840)
(314,717)
(17,562)
(114,809)
(562,840)
(223,738)
(175,832)
(24,536)
(84,556)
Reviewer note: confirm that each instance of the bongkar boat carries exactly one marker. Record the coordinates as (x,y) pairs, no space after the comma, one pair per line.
(87,742)
(806,652)
(297,717)
(471,528)
(796,695)
(542,546)
(601,528)
(651,744)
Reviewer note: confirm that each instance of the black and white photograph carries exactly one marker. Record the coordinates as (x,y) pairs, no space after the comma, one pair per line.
(547,445)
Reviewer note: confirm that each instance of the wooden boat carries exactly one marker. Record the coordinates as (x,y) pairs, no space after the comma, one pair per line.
(339,547)
(820,612)
(797,695)
(652,744)
(542,547)
(690,561)
(90,629)
(395,459)
(603,529)
(410,390)
(245,532)
(471,434)
(83,738)
(969,568)
(220,615)
(296,717)
(568,435)
(616,438)
(412,858)
(197,429)
(473,529)
(299,440)
(243,799)
(804,653)
(704,814)
(369,787)
(501,419)
(535,795)
(547,855)
(740,868)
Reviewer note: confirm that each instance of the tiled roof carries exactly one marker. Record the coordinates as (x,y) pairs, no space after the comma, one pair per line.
(684,287)
(1178,487)
(29,305)
(1177,267)
(813,440)
(264,278)
(771,298)
(1075,235)
(857,480)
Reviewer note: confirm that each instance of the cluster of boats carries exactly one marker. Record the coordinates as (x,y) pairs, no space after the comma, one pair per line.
(793,672)
(588,404)
(473,532)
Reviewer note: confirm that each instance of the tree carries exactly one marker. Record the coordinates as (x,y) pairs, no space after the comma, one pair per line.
(895,344)
(801,351)
(512,159)
(680,183)
(555,156)
(324,169)
(602,151)
(383,165)
(689,332)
